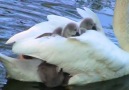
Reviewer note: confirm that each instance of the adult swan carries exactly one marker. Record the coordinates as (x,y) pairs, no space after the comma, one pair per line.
(90,57)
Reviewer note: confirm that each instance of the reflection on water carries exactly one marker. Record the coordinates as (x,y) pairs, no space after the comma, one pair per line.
(116,84)
(19,15)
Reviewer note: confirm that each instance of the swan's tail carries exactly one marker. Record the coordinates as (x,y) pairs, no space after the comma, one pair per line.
(5,59)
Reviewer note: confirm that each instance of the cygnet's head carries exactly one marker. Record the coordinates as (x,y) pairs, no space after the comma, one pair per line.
(87,24)
(49,74)
(71,29)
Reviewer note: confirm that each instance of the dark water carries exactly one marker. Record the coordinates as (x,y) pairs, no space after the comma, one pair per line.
(115,84)
(19,15)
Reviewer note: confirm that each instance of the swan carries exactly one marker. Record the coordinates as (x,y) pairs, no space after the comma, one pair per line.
(90,57)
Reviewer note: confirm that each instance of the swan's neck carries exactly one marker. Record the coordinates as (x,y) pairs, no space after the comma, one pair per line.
(121,23)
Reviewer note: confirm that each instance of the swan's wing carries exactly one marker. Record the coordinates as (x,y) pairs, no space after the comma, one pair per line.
(87,53)
(87,13)
(90,11)
(34,32)
(84,13)
(59,20)
(17,37)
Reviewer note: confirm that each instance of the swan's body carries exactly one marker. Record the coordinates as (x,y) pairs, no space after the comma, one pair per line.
(89,64)
(90,57)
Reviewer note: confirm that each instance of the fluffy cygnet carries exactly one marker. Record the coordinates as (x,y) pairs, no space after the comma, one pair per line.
(50,76)
(87,24)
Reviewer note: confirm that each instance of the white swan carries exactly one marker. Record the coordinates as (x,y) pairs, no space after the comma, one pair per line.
(90,57)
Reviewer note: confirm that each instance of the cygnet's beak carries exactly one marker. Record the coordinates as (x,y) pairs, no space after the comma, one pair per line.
(77,34)
(94,28)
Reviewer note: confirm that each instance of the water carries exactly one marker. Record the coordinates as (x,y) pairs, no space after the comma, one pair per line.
(19,15)
(115,84)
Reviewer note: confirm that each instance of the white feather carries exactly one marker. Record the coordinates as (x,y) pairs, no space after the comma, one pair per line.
(33,32)
(59,20)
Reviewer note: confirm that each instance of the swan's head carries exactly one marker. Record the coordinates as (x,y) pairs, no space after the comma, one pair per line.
(71,29)
(87,24)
